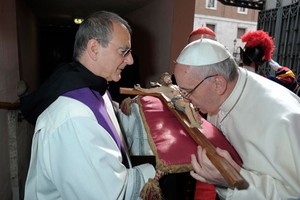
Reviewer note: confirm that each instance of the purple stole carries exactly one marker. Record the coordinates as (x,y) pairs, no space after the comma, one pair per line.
(95,102)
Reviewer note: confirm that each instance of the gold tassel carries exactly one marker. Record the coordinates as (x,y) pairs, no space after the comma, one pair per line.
(151,190)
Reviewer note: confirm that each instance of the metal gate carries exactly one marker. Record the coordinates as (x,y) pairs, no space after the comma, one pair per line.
(283,25)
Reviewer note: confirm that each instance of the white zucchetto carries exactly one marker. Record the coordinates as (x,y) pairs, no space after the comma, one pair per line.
(203,52)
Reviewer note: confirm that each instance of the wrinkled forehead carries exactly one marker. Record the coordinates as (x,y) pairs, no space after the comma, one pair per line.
(120,33)
(183,75)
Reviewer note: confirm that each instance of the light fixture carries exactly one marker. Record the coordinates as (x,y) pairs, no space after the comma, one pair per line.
(78,20)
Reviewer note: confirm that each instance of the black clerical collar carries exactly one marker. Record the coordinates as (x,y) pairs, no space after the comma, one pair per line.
(67,77)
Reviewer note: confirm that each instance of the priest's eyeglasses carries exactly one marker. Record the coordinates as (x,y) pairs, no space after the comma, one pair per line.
(126,52)
(122,52)
(186,94)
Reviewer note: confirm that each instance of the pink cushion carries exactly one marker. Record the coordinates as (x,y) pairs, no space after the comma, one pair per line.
(170,142)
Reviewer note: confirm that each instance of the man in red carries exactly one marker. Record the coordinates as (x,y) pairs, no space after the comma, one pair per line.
(203,191)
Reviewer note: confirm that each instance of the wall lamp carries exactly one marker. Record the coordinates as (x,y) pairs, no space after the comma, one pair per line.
(78,20)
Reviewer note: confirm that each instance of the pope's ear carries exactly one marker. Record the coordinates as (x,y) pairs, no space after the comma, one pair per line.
(220,84)
(93,48)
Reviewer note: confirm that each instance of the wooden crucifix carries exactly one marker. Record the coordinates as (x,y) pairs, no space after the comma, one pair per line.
(232,177)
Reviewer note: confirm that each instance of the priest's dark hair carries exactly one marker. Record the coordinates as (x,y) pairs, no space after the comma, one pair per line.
(98,26)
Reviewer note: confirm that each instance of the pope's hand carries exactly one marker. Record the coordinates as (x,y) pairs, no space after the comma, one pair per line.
(205,171)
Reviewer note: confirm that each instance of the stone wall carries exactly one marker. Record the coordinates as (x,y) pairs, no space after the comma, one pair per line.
(5,183)
(20,135)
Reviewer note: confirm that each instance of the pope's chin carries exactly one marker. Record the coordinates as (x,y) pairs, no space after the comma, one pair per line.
(202,111)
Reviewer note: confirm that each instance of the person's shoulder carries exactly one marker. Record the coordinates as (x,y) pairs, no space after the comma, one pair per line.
(70,105)
(63,109)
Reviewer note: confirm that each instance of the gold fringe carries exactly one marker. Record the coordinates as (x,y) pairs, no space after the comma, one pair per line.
(151,191)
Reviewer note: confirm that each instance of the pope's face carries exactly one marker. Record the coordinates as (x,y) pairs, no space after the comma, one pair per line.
(203,97)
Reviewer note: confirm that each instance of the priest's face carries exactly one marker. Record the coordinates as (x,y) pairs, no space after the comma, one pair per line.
(112,59)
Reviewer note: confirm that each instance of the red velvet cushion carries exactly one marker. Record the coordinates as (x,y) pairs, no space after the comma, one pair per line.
(173,145)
